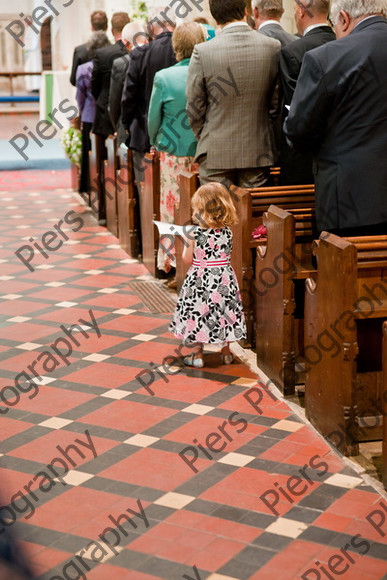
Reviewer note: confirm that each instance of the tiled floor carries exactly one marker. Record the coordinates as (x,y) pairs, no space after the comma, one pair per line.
(117,465)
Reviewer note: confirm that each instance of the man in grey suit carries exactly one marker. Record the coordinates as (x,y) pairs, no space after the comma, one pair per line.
(133,35)
(267,15)
(232,91)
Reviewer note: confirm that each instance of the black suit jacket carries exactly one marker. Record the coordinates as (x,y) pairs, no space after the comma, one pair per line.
(100,86)
(297,168)
(291,57)
(117,81)
(145,62)
(339,110)
(276,31)
(80,56)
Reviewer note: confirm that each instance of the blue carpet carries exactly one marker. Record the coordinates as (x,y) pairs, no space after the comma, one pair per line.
(49,156)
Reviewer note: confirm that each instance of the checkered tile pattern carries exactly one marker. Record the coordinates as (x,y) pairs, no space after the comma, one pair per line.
(209,522)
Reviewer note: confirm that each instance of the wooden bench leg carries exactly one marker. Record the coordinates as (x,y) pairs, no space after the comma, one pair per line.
(111,186)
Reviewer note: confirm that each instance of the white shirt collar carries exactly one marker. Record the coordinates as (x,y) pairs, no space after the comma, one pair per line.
(236,23)
(315,26)
(268,22)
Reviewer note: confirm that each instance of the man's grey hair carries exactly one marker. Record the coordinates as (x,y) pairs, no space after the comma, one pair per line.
(267,5)
(357,8)
(133,30)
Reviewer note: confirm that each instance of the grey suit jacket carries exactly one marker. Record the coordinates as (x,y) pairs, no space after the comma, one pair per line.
(276,31)
(117,81)
(232,91)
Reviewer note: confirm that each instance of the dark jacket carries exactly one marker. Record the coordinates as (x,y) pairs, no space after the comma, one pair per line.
(100,86)
(291,57)
(117,81)
(80,56)
(145,62)
(339,111)
(297,168)
(276,31)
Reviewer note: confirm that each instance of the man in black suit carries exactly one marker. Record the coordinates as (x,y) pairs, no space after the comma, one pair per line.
(100,79)
(145,62)
(133,35)
(339,110)
(312,24)
(82,54)
(267,15)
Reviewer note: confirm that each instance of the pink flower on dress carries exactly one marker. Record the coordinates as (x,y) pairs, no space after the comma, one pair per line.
(191,324)
(204,309)
(232,317)
(202,336)
(216,297)
(222,322)
(225,279)
(170,203)
(211,242)
(223,255)
(200,254)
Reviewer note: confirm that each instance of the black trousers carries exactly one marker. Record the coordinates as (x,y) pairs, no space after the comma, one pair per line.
(374,230)
(84,183)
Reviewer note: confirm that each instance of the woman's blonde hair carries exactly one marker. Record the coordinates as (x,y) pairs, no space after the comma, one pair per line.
(212,206)
(185,37)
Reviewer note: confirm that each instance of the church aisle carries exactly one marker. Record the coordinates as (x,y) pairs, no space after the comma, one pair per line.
(118,463)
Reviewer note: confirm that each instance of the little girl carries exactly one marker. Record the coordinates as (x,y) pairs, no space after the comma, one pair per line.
(209,308)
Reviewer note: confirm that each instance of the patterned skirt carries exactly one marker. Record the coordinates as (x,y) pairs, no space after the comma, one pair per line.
(170,167)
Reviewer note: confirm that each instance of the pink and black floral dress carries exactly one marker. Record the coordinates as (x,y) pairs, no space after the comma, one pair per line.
(209,308)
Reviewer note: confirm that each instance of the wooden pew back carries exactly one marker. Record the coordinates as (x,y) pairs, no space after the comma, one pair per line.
(127,205)
(345,306)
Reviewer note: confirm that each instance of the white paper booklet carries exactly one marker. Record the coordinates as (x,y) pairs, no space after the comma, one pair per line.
(166,229)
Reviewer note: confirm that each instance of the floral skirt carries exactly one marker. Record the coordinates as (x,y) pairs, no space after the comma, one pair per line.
(170,167)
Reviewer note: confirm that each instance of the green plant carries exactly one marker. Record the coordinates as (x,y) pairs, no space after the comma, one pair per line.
(140,11)
(72,145)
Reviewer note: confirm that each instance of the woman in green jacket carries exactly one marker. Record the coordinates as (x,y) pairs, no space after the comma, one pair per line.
(169,129)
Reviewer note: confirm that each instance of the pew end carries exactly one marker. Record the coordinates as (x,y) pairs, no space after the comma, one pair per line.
(110,169)
(96,169)
(343,341)
(149,211)
(127,205)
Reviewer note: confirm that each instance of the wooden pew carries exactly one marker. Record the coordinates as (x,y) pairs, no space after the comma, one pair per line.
(110,185)
(345,307)
(128,206)
(188,184)
(96,167)
(250,205)
(283,262)
(150,210)
(384,406)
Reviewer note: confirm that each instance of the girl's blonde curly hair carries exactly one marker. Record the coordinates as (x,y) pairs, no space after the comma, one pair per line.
(212,207)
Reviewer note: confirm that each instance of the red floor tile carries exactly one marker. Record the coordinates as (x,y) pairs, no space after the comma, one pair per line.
(151,467)
(128,416)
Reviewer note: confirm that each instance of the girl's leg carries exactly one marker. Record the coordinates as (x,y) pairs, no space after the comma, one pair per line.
(226,354)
